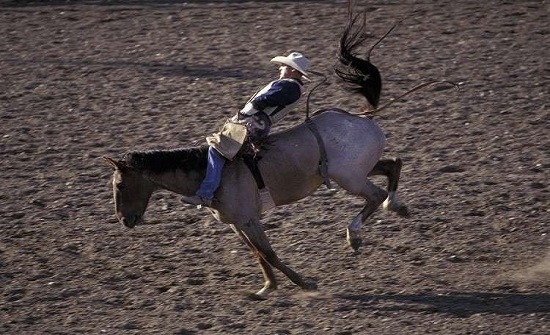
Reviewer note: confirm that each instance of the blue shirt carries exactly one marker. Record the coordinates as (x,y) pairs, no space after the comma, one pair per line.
(276,99)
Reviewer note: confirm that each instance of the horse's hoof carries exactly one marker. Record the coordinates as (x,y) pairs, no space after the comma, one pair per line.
(262,294)
(255,297)
(310,286)
(396,207)
(355,243)
(354,238)
(403,211)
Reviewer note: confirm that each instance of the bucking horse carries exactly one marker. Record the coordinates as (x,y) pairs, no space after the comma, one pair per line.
(333,145)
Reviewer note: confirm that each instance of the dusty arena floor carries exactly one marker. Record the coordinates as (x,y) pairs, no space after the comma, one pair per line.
(86,79)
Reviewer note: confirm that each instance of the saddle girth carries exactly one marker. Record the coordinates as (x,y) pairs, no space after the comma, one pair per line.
(323,162)
(251,162)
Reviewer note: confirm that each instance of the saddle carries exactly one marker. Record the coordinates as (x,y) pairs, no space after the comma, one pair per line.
(232,141)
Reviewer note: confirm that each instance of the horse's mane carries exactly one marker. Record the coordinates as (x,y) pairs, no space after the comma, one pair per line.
(160,161)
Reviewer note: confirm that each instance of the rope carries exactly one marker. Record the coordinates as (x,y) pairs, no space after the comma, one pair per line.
(314,88)
(416,88)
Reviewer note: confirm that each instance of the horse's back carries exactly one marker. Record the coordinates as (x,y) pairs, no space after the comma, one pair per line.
(347,127)
(353,145)
(348,136)
(333,122)
(344,135)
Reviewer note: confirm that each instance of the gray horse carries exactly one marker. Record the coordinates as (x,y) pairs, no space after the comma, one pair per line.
(289,165)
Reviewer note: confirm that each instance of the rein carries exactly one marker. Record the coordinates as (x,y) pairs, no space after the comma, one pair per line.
(313,89)
(416,88)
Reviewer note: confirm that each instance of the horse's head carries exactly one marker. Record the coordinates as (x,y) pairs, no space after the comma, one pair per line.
(131,192)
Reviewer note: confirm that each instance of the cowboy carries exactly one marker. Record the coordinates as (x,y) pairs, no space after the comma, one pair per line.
(265,108)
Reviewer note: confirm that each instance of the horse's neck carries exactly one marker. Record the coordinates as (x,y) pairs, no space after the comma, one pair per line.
(177,181)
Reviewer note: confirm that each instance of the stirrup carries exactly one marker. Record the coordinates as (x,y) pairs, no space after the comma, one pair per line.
(198,201)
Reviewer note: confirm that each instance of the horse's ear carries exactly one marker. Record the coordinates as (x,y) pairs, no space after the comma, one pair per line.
(114,164)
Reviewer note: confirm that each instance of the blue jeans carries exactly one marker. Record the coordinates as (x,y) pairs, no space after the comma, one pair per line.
(213,177)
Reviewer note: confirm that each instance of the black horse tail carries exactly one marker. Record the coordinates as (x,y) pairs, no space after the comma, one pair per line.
(361,75)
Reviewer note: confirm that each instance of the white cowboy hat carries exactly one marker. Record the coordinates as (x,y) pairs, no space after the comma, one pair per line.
(295,60)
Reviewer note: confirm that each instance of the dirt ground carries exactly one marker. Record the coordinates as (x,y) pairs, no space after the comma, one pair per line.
(81,80)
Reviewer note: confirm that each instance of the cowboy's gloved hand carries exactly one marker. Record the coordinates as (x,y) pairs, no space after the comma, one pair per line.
(249,109)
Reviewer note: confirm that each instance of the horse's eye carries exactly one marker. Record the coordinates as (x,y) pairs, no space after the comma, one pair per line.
(121,186)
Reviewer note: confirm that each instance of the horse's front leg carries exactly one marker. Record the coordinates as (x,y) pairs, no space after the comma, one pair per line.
(254,233)
(374,196)
(270,282)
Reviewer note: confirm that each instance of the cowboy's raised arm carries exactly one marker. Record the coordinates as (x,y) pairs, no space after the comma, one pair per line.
(280,93)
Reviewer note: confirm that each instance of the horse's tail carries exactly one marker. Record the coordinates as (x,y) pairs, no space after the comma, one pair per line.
(361,75)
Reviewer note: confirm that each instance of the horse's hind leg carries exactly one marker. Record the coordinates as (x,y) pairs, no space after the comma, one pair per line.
(256,236)
(391,168)
(374,196)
